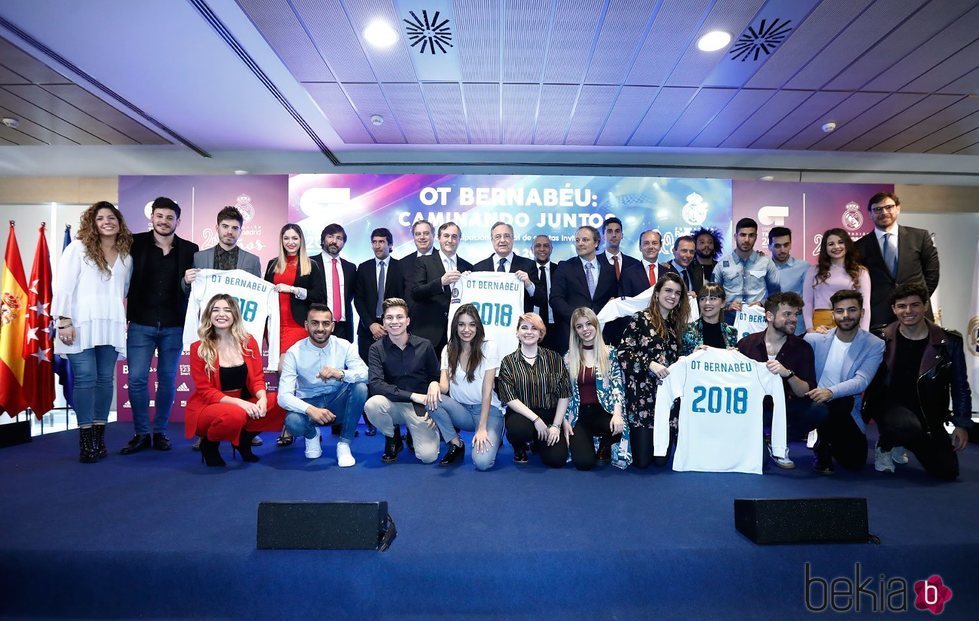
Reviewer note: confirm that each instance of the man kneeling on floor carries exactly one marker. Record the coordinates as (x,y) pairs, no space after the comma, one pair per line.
(404,387)
(322,378)
(923,365)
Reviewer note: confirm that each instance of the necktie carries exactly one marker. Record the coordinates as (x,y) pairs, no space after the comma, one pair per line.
(889,259)
(686,280)
(652,274)
(502,267)
(542,285)
(590,279)
(379,309)
(618,268)
(337,299)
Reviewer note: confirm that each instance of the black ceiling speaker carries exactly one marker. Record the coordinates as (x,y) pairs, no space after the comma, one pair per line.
(755,43)
(426,34)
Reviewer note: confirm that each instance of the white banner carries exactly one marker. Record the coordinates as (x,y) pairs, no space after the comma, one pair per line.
(499,298)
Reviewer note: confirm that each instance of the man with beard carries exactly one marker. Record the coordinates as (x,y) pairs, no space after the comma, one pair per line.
(791,271)
(156,308)
(340,277)
(791,358)
(710,246)
(322,381)
(748,276)
(847,358)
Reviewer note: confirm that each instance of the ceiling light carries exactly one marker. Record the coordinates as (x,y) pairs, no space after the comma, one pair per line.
(767,178)
(377,119)
(11,122)
(380,34)
(828,127)
(240,172)
(713,41)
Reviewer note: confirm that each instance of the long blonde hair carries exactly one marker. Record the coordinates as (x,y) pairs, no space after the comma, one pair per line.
(679,316)
(304,265)
(576,351)
(208,335)
(89,235)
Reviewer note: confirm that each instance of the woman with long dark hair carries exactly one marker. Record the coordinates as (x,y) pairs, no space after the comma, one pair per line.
(838,268)
(709,329)
(650,344)
(595,411)
(469,364)
(299,282)
(89,304)
(229,402)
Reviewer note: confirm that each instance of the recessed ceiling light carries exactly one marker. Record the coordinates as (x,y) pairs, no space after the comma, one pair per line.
(828,127)
(11,122)
(713,41)
(240,172)
(377,119)
(380,34)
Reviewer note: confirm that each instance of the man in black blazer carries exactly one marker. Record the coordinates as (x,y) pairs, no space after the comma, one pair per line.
(157,305)
(332,240)
(683,264)
(636,278)
(911,258)
(613,255)
(368,302)
(434,277)
(571,289)
(423,234)
(546,270)
(504,260)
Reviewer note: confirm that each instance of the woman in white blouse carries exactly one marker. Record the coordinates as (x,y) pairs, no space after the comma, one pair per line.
(469,364)
(93,280)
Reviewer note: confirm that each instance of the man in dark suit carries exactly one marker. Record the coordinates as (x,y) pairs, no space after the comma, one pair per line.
(504,260)
(423,234)
(546,271)
(381,271)
(434,277)
(612,232)
(638,277)
(157,305)
(895,255)
(341,276)
(683,264)
(581,281)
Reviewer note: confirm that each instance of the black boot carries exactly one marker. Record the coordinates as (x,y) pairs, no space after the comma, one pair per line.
(245,446)
(392,446)
(210,454)
(99,435)
(605,450)
(456,453)
(823,458)
(86,446)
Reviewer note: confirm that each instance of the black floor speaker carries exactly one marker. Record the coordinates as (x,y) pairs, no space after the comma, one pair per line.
(803,520)
(17,432)
(325,526)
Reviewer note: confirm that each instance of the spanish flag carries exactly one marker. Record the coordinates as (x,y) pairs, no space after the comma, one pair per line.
(13,326)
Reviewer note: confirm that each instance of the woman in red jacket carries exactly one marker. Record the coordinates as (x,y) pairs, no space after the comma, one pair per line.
(229,400)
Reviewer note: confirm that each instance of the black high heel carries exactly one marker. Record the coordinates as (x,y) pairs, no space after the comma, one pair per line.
(245,447)
(210,454)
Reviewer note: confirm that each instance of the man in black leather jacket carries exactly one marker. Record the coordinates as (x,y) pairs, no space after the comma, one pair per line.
(923,364)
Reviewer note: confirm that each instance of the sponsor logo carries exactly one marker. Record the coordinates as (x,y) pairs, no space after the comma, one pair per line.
(773,215)
(183,387)
(973,344)
(879,594)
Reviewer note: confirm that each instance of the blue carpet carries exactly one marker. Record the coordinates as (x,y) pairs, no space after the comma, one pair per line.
(158,535)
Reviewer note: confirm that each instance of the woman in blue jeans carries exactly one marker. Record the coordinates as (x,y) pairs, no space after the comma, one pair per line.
(469,364)
(93,281)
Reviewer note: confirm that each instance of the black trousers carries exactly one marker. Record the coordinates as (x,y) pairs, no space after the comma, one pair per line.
(839,436)
(520,431)
(900,426)
(593,421)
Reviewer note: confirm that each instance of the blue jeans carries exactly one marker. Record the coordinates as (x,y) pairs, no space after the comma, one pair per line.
(94,371)
(466,417)
(347,404)
(141,342)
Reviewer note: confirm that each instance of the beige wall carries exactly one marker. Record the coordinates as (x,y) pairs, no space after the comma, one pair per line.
(70,190)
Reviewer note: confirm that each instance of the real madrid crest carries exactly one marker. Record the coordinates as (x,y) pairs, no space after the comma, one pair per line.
(852,218)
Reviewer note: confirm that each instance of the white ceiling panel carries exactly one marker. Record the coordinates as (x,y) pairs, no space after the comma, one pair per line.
(593,107)
(483,112)
(808,113)
(666,109)
(697,115)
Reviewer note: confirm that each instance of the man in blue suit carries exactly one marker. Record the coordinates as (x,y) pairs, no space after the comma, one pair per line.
(847,358)
(581,281)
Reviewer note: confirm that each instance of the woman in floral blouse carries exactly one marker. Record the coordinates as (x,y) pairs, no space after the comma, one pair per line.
(709,329)
(649,345)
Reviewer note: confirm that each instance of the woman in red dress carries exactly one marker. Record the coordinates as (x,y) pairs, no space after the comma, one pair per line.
(229,402)
(299,282)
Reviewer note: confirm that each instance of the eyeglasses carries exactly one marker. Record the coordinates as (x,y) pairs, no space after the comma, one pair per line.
(882,208)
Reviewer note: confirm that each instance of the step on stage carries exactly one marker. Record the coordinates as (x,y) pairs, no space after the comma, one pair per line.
(159,535)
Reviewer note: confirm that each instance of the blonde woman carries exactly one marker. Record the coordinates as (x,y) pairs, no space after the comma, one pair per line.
(229,400)
(597,396)
(93,281)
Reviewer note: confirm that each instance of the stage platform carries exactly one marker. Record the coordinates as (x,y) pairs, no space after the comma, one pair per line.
(160,536)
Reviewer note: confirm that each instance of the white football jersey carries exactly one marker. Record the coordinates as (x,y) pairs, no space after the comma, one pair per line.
(749,319)
(258,302)
(721,421)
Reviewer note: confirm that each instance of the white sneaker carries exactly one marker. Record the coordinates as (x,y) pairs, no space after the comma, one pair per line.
(899,455)
(782,462)
(344,458)
(883,461)
(313,449)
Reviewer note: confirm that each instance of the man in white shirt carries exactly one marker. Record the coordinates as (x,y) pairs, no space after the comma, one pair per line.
(847,358)
(323,380)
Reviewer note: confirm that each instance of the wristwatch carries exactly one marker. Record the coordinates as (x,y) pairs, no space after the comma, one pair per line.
(342,375)
(790,375)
